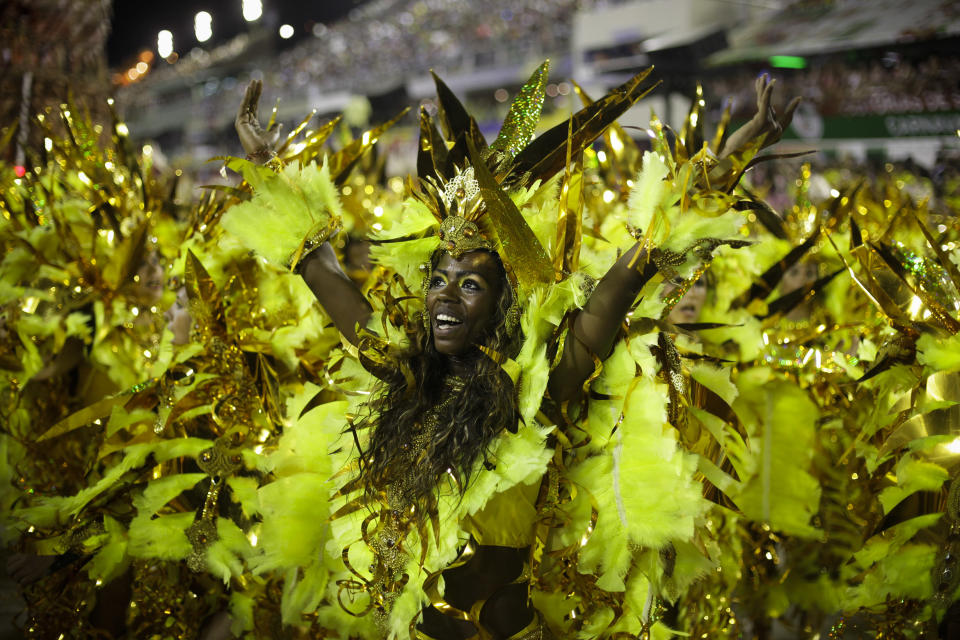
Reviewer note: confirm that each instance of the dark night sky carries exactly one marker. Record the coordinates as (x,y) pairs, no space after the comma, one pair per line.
(136,22)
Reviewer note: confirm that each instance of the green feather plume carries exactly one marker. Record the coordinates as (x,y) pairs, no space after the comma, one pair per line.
(940,354)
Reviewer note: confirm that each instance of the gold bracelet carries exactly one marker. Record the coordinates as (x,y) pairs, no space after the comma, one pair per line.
(268,158)
(314,242)
(275,164)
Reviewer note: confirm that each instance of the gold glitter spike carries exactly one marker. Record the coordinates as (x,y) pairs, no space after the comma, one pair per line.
(524,256)
(544,157)
(785,303)
(770,219)
(509,365)
(269,384)
(524,114)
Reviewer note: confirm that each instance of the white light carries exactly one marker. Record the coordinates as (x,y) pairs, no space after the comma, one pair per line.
(286,31)
(203,26)
(252,10)
(616,144)
(915,305)
(953,446)
(164,43)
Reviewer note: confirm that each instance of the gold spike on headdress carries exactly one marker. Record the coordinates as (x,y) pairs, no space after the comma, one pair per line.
(521,121)
(522,253)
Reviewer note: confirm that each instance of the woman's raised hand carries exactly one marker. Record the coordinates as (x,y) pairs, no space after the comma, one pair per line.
(766,120)
(257,142)
(764,123)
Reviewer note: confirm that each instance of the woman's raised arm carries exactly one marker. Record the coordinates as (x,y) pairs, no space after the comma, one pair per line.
(596,326)
(321,270)
(337,293)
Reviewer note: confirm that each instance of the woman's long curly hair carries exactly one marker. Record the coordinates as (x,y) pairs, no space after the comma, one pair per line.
(465,426)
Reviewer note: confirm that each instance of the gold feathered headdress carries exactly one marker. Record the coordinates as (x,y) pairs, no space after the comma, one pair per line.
(465,182)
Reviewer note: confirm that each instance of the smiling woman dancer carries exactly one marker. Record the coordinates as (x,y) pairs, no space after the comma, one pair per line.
(447,399)
(461,400)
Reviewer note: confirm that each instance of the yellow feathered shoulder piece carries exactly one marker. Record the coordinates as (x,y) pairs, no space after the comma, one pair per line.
(289,213)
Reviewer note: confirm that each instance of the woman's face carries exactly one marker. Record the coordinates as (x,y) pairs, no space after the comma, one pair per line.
(149,278)
(178,318)
(462,300)
(801,274)
(687,310)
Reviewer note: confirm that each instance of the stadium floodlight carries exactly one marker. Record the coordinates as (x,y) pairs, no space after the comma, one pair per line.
(252,10)
(203,26)
(165,43)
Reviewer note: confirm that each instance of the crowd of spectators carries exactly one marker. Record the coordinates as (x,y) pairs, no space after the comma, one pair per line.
(778,183)
(51,52)
(885,85)
(384,42)
(376,49)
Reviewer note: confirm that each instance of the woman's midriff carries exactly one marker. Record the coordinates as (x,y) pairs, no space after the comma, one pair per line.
(488,582)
